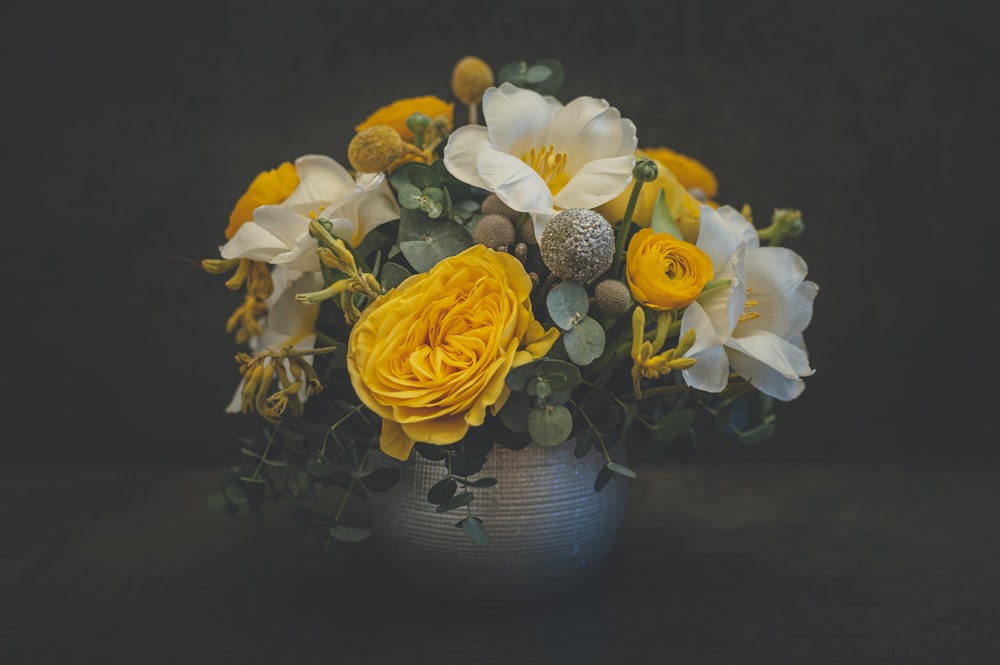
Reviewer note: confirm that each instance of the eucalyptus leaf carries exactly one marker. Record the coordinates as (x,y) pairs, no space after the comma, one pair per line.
(672,425)
(349,534)
(481,482)
(562,375)
(514,414)
(568,303)
(457,501)
(550,426)
(425,241)
(430,452)
(621,469)
(518,378)
(442,491)
(409,197)
(585,342)
(422,177)
(393,275)
(757,434)
(604,476)
(474,529)
(319,466)
(584,442)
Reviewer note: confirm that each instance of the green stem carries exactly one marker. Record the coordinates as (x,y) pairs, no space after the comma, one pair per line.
(267,449)
(623,227)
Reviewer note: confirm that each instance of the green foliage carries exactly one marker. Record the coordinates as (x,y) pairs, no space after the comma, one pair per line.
(543,76)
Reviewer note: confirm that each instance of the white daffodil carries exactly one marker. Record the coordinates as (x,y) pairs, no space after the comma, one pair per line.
(289,323)
(279,234)
(754,325)
(540,157)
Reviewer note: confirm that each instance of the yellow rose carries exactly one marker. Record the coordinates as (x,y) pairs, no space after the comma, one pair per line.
(433,354)
(268,188)
(684,208)
(665,273)
(395,114)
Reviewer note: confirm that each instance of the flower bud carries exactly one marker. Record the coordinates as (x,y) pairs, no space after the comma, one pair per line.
(373,149)
(470,79)
(645,170)
(418,122)
(613,297)
(494,231)
(578,244)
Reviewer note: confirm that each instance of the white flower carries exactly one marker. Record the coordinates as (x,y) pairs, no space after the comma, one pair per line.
(540,157)
(289,323)
(279,234)
(754,326)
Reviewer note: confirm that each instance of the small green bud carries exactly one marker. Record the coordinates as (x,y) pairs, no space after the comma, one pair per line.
(789,221)
(645,170)
(494,231)
(418,122)
(613,297)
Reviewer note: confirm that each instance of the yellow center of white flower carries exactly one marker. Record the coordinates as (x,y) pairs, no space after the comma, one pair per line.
(549,164)
(747,314)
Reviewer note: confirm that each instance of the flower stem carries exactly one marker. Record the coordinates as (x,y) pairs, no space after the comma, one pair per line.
(623,227)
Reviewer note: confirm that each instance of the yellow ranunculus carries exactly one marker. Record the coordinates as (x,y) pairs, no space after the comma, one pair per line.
(431,355)
(691,173)
(395,114)
(684,208)
(665,273)
(268,188)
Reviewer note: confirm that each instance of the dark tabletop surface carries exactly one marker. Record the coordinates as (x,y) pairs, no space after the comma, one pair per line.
(714,565)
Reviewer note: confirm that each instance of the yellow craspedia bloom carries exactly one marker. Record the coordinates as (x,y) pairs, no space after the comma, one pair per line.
(268,188)
(433,354)
(684,208)
(665,273)
(470,79)
(396,113)
(691,173)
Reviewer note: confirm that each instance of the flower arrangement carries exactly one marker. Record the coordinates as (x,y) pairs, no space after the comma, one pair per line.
(532,280)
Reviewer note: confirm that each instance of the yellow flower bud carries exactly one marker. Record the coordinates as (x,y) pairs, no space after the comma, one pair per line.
(373,149)
(470,79)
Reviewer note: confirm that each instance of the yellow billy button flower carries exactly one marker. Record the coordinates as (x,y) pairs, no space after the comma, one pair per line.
(432,355)
(268,188)
(665,273)
(396,114)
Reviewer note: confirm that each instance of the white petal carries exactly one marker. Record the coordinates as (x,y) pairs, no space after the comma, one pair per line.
(585,129)
(461,153)
(764,378)
(711,369)
(288,319)
(719,234)
(789,360)
(775,276)
(597,182)
(514,182)
(252,242)
(321,180)
(517,119)
(283,224)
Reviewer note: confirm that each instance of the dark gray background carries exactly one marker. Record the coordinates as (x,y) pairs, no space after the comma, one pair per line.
(131,129)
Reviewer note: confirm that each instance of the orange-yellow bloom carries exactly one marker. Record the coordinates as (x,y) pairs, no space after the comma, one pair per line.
(268,188)
(684,208)
(433,354)
(396,113)
(665,273)
(691,173)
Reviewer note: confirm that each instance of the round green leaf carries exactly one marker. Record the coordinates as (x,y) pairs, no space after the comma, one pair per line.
(425,242)
(349,534)
(441,491)
(585,342)
(550,426)
(392,275)
(514,414)
(568,303)
(474,529)
(537,73)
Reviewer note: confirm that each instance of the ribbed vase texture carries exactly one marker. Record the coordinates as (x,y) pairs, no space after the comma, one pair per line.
(549,530)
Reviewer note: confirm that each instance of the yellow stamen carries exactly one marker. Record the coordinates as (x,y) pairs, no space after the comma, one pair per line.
(549,164)
(748,316)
